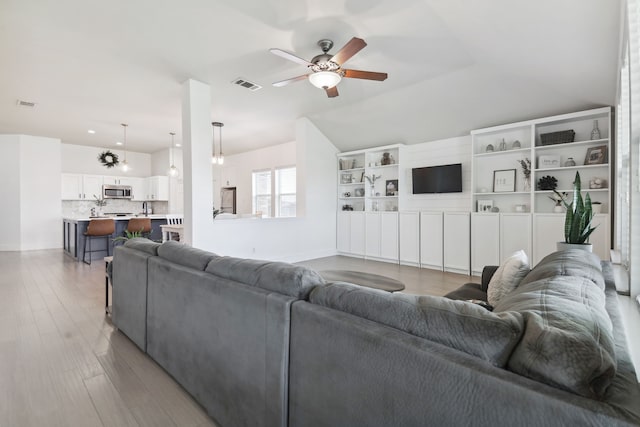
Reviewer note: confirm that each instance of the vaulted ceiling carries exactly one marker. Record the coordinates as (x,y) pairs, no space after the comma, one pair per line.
(453,65)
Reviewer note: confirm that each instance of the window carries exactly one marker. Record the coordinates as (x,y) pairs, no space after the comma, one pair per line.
(275,197)
(285,192)
(262,193)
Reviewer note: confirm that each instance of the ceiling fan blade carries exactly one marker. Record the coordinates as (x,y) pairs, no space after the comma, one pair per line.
(290,56)
(291,80)
(354,46)
(368,75)
(332,92)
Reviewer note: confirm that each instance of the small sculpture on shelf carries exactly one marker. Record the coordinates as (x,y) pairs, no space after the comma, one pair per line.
(547,183)
(516,145)
(596,183)
(489,148)
(386,159)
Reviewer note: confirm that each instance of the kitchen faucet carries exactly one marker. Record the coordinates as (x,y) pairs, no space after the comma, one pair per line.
(144,208)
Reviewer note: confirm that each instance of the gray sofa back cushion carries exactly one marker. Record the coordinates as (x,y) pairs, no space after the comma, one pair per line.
(185,255)
(286,279)
(143,245)
(457,324)
(568,338)
(571,262)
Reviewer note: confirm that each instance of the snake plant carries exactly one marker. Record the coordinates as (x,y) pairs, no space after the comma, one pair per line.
(579,217)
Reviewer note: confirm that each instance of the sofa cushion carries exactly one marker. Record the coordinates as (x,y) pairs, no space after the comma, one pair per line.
(570,262)
(142,244)
(185,255)
(508,276)
(568,339)
(464,326)
(286,279)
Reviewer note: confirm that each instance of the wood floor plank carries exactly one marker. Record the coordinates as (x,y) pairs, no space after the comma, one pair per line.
(108,403)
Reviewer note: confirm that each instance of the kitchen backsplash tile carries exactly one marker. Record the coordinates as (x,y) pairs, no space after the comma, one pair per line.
(81,208)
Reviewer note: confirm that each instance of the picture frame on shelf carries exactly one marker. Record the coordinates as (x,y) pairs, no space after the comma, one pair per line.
(485,205)
(596,155)
(504,181)
(345,178)
(391,187)
(548,161)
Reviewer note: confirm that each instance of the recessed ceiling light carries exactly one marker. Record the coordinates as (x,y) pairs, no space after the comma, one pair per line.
(91,131)
(118,143)
(178,145)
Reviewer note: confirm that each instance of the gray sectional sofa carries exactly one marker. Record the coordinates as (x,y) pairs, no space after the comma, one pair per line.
(270,344)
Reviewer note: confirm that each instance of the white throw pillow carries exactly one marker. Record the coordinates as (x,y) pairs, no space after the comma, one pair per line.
(508,276)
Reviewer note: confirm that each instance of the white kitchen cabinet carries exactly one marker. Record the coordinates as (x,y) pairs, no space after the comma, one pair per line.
(549,230)
(91,186)
(431,240)
(71,186)
(114,180)
(409,235)
(485,241)
(157,188)
(457,242)
(515,234)
(138,187)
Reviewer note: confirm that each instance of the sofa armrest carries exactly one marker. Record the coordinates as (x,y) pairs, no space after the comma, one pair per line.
(487,273)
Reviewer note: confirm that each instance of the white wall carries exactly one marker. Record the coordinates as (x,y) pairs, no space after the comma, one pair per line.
(290,239)
(242,166)
(10,192)
(441,152)
(30,188)
(81,159)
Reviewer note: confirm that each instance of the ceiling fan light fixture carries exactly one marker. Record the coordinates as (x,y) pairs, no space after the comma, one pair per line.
(325,79)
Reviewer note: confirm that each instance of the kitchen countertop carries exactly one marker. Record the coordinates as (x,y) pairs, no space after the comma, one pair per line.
(117,218)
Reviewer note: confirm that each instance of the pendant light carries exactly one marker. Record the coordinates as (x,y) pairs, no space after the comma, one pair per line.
(125,164)
(173,170)
(217,159)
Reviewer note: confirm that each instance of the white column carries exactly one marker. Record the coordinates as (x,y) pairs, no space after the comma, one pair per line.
(196,150)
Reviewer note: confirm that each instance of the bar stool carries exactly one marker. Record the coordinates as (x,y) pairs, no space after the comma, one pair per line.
(139,225)
(97,228)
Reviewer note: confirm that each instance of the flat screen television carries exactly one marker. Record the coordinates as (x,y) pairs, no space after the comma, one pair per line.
(437,179)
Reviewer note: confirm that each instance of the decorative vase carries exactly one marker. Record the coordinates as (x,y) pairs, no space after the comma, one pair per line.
(570,162)
(373,191)
(503,145)
(527,183)
(558,209)
(386,159)
(596,208)
(595,133)
(563,246)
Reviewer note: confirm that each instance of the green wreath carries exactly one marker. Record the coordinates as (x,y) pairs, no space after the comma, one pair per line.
(108,159)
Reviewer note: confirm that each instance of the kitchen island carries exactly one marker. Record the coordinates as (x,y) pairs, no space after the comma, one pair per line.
(73,229)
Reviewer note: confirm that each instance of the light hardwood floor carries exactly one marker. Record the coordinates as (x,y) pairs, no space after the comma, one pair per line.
(62,363)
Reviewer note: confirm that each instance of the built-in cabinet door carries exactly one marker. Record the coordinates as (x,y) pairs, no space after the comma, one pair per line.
(485,241)
(91,186)
(71,186)
(431,240)
(372,230)
(389,235)
(356,243)
(515,234)
(343,232)
(409,235)
(457,242)
(549,230)
(599,237)
(157,188)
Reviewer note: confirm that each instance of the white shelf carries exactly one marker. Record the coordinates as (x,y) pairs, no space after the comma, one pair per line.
(383,197)
(576,167)
(353,183)
(351,198)
(383,166)
(587,190)
(572,144)
(351,170)
(499,153)
(508,193)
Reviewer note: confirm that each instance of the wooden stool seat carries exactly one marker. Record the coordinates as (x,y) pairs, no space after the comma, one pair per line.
(97,228)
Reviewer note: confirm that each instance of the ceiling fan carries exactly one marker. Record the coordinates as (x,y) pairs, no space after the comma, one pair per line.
(326,69)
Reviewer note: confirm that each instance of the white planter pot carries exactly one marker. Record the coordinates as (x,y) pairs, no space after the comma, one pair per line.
(562,246)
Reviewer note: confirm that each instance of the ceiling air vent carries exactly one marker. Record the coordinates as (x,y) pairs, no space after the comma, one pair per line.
(21,103)
(246,84)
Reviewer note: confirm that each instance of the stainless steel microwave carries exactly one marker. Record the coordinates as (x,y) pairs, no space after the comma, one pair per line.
(116,191)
